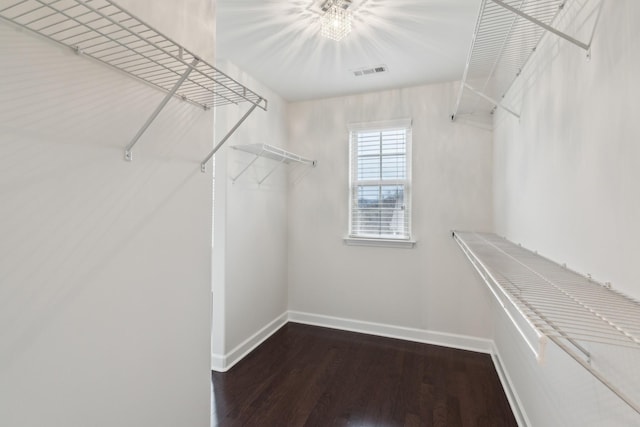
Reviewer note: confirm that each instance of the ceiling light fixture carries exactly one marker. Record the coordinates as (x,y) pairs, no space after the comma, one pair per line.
(336,21)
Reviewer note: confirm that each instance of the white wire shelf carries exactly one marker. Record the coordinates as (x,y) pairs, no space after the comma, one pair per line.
(547,301)
(273,153)
(105,32)
(270,152)
(507,33)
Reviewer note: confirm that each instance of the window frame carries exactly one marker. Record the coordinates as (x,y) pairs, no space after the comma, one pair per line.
(380,240)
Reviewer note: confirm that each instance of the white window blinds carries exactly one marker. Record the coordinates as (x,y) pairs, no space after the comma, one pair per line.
(380,184)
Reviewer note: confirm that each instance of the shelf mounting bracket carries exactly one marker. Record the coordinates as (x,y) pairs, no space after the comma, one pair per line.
(271,171)
(493,101)
(127,151)
(203,165)
(245,168)
(542,24)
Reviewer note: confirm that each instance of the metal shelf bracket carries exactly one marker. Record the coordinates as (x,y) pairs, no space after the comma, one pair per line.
(273,169)
(496,103)
(127,151)
(245,168)
(203,165)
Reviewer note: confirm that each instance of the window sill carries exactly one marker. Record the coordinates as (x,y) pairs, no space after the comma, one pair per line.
(385,243)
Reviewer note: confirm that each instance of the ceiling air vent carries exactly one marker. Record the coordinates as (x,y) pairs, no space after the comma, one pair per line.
(372,70)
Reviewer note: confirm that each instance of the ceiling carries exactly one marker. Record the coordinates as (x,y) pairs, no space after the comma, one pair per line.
(278,42)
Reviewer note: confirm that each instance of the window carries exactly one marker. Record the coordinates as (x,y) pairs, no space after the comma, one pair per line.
(380,184)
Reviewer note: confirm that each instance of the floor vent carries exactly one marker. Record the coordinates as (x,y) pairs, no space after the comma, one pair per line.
(368,71)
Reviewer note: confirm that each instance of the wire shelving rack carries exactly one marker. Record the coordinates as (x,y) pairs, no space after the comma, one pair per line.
(548,302)
(105,32)
(507,32)
(279,155)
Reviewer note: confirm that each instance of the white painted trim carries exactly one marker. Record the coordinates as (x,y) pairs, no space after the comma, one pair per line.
(217,362)
(385,243)
(381,124)
(509,389)
(462,342)
(220,363)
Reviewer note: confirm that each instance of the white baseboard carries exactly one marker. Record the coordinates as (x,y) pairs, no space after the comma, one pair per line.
(222,363)
(462,342)
(509,390)
(217,362)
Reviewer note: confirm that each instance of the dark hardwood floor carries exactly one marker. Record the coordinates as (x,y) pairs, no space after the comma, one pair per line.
(311,376)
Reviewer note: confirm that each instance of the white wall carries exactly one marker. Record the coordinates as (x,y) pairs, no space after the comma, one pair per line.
(105,264)
(190,23)
(566,184)
(430,287)
(250,243)
(566,174)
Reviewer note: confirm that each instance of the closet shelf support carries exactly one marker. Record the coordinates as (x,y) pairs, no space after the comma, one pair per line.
(542,24)
(600,377)
(203,165)
(127,151)
(244,169)
(273,169)
(493,101)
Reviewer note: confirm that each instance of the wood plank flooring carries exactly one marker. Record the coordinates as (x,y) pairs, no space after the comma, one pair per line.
(310,376)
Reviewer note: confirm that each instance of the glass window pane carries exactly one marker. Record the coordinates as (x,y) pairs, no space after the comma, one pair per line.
(369,168)
(380,211)
(393,167)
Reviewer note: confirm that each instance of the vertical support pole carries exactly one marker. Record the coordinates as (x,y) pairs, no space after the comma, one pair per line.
(127,151)
(203,165)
